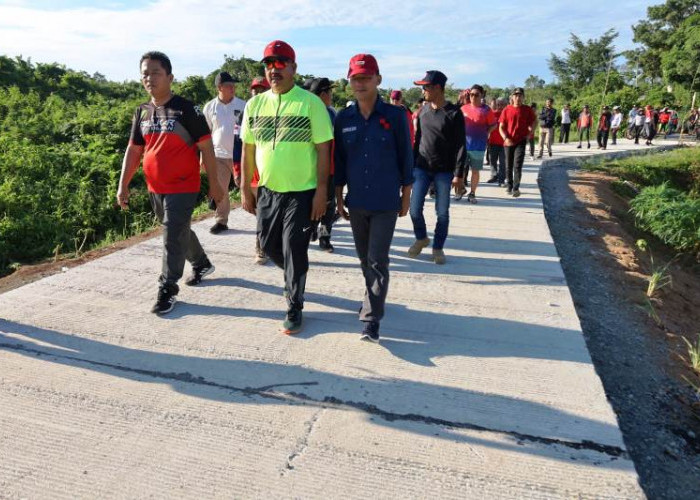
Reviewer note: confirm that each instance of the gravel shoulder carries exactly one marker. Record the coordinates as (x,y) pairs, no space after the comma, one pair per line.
(636,359)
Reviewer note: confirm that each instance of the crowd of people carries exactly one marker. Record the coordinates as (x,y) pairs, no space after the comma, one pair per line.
(300,165)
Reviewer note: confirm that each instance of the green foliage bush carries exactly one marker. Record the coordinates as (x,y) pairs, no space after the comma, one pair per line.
(671,215)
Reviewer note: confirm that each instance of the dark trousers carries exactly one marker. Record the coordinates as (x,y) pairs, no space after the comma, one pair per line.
(284,229)
(497,160)
(515,156)
(564,132)
(180,243)
(614,135)
(373,231)
(602,138)
(531,142)
(587,131)
(637,133)
(326,224)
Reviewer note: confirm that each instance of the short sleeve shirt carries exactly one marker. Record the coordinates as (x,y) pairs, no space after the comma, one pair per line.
(477,120)
(516,121)
(170,134)
(285,129)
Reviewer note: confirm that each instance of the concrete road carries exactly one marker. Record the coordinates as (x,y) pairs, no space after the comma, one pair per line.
(482,386)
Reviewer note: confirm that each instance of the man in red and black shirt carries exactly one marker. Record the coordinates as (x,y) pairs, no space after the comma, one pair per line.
(169,132)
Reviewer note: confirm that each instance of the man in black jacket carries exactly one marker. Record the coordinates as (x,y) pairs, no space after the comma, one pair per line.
(547,117)
(440,157)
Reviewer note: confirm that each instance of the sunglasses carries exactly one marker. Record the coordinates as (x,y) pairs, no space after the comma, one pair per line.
(474,94)
(428,86)
(276,63)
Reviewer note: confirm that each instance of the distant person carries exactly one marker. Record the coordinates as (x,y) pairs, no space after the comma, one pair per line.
(323,88)
(479,122)
(258,85)
(287,137)
(664,120)
(531,137)
(440,157)
(419,106)
(650,121)
(169,133)
(224,115)
(396,99)
(616,123)
(604,122)
(516,124)
(374,160)
(638,125)
(548,117)
(583,124)
(497,155)
(565,124)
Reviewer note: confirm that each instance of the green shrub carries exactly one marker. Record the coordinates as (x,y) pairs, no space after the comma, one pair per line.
(670,215)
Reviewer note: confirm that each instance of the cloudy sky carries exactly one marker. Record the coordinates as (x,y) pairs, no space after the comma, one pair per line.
(498,43)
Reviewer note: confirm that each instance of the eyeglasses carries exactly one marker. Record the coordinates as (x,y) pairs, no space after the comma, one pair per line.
(276,63)
(474,94)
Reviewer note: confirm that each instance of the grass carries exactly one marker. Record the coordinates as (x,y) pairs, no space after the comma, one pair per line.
(693,354)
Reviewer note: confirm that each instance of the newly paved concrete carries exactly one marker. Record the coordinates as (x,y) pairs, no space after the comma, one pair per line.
(482,386)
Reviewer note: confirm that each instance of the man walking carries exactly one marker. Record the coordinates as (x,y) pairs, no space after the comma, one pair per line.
(547,119)
(515,125)
(169,132)
(584,126)
(604,128)
(616,123)
(479,122)
(440,157)
(323,88)
(287,137)
(224,115)
(565,124)
(373,158)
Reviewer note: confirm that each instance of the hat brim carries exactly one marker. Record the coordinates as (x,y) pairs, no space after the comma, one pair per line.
(362,71)
(422,82)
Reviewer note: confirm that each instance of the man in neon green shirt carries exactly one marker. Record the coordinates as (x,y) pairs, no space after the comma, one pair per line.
(286,136)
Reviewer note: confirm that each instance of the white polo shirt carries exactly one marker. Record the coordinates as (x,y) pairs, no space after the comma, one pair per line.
(225,122)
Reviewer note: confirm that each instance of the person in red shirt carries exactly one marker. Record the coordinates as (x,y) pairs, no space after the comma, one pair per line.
(396,98)
(497,155)
(170,132)
(516,124)
(584,122)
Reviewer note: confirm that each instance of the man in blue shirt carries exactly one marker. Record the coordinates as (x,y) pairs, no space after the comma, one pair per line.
(373,158)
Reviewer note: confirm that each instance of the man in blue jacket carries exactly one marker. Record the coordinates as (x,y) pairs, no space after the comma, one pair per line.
(373,158)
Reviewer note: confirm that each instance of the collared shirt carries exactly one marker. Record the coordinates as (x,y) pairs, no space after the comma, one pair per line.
(224,120)
(373,157)
(285,129)
(440,144)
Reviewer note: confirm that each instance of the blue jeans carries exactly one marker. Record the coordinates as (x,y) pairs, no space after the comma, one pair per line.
(443,183)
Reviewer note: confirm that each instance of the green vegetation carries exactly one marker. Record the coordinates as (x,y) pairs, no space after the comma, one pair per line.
(668,201)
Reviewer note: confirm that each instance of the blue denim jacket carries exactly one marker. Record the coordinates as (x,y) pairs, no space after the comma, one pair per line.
(373,157)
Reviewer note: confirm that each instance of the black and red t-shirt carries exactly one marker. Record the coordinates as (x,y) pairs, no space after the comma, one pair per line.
(170,134)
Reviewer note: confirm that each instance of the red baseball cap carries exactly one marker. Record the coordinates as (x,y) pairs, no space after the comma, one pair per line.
(396,94)
(363,64)
(260,81)
(278,48)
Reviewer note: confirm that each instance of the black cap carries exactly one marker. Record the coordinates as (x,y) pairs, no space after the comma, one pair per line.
(432,77)
(224,77)
(518,90)
(319,85)
(307,83)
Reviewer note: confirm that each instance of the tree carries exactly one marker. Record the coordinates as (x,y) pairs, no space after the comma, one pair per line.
(680,64)
(195,89)
(583,60)
(534,82)
(655,33)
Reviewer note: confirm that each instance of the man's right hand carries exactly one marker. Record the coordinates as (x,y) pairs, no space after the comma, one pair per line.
(508,142)
(123,197)
(248,199)
(340,208)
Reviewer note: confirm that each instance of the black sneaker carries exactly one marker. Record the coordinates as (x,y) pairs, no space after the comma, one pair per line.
(324,243)
(370,332)
(218,228)
(292,322)
(314,234)
(167,295)
(509,190)
(199,272)
(492,180)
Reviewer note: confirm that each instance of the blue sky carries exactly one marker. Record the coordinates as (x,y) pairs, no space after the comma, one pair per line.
(498,43)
